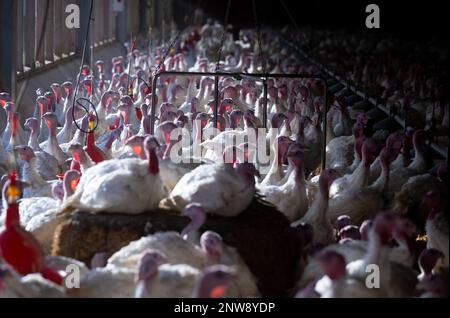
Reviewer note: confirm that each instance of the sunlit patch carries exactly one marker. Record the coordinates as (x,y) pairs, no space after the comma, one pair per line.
(421,238)
(218,291)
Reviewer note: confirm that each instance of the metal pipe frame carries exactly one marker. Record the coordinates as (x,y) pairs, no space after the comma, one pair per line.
(238,76)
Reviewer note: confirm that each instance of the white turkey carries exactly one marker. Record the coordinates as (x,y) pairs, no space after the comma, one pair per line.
(436,225)
(290,197)
(219,188)
(121,185)
(364,202)
(317,214)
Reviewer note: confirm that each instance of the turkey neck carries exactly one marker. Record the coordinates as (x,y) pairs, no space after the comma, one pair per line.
(381,184)
(419,158)
(374,249)
(189,92)
(33,142)
(14,139)
(317,212)
(330,131)
(301,134)
(153,166)
(68,189)
(79,135)
(297,174)
(57,94)
(169,148)
(193,107)
(143,287)
(68,122)
(201,92)
(275,168)
(69,93)
(234,122)
(83,159)
(172,92)
(126,116)
(101,108)
(52,141)
(198,133)
(356,161)
(30,173)
(110,141)
(360,176)
(163,93)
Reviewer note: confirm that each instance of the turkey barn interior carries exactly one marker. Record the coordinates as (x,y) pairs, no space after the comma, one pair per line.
(223,149)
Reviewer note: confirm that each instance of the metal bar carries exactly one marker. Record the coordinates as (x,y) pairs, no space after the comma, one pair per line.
(30,33)
(84,22)
(263,77)
(59,28)
(19,36)
(40,13)
(324,129)
(216,99)
(48,39)
(265,103)
(244,75)
(153,105)
(8,46)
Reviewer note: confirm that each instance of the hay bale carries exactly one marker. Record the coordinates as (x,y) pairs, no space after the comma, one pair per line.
(260,235)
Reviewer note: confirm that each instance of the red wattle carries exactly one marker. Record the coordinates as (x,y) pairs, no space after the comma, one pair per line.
(138,113)
(148,90)
(153,164)
(88,88)
(15,124)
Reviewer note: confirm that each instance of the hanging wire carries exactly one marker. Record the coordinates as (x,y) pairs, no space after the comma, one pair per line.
(75,99)
(258,31)
(222,40)
(87,112)
(286,9)
(136,79)
(140,78)
(166,52)
(132,47)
